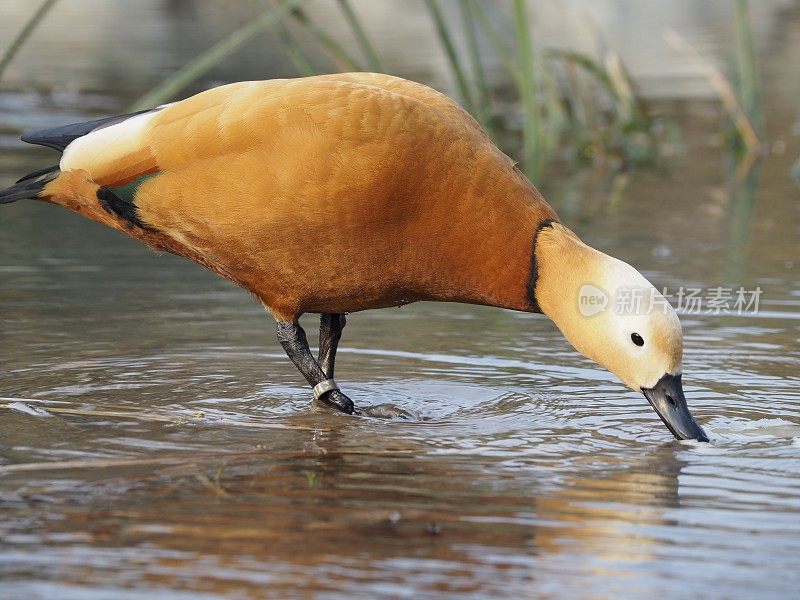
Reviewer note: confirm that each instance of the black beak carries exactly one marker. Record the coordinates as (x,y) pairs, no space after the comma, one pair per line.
(667,398)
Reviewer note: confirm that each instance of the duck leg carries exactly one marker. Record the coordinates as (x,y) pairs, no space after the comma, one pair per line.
(330,332)
(293,339)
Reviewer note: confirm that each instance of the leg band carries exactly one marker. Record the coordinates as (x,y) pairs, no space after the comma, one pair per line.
(323,387)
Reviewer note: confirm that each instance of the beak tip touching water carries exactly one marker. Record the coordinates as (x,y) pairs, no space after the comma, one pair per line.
(667,399)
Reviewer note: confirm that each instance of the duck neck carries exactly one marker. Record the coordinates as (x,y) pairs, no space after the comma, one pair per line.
(570,284)
(492,260)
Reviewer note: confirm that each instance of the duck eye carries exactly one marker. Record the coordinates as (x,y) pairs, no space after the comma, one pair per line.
(637,339)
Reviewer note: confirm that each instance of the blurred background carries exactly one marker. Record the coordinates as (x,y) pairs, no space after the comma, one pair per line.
(576,81)
(155,439)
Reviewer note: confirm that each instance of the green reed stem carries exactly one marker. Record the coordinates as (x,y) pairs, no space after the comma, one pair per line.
(334,49)
(483,104)
(293,49)
(747,77)
(589,65)
(452,54)
(496,41)
(19,41)
(173,85)
(532,158)
(373,61)
(556,117)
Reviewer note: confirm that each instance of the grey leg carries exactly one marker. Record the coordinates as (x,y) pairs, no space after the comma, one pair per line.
(295,344)
(330,332)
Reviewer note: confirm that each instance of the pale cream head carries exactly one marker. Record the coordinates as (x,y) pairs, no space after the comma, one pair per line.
(607,310)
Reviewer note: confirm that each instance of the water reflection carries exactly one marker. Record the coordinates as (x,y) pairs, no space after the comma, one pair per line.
(433,523)
(234,522)
(167,34)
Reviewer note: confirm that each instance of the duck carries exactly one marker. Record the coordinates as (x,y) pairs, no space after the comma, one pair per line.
(340,193)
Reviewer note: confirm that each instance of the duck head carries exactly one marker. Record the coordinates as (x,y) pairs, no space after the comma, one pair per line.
(612,315)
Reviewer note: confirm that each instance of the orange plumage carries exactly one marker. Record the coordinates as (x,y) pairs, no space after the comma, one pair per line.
(346,192)
(326,194)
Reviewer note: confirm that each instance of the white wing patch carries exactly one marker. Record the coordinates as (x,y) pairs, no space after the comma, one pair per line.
(106,144)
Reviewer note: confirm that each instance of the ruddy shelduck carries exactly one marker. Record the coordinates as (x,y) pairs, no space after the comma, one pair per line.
(341,193)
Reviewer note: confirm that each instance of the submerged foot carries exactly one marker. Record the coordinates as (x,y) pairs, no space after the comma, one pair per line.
(336,399)
(339,401)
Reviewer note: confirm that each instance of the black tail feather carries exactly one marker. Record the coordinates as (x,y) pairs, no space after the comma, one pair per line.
(37,173)
(59,138)
(29,186)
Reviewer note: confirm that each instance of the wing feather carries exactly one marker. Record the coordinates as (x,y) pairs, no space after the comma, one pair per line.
(235,119)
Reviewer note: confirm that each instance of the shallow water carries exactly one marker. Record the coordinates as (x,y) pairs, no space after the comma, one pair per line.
(526,471)
(155,439)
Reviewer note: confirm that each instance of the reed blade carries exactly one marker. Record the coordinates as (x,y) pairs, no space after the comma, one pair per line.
(19,41)
(367,48)
(483,102)
(293,49)
(452,55)
(495,39)
(334,49)
(532,147)
(721,86)
(179,80)
(746,72)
